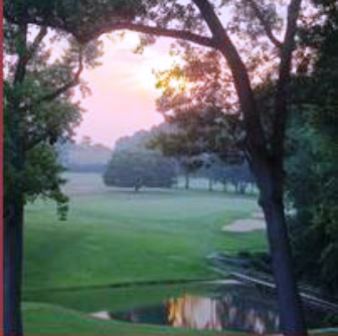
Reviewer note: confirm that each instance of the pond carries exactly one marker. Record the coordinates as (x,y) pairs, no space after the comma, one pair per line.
(232,306)
(224,305)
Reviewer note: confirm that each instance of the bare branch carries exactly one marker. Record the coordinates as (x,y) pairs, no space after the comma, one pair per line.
(264,23)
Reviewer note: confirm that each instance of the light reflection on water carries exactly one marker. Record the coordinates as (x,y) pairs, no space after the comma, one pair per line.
(218,314)
(236,308)
(240,308)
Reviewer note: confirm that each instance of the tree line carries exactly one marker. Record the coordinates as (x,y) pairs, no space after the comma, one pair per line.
(137,162)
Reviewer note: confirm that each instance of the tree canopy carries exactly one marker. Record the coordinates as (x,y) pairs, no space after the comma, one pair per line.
(37,89)
(312,164)
(38,112)
(134,165)
(139,169)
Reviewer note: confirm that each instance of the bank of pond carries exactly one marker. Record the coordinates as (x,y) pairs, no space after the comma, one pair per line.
(230,304)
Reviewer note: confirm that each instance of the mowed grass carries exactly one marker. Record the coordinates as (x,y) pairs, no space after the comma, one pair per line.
(44,319)
(114,236)
(117,236)
(117,299)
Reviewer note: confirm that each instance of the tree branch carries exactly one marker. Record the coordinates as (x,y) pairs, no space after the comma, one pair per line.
(62,89)
(281,110)
(120,25)
(28,53)
(254,130)
(38,39)
(20,69)
(157,31)
(31,141)
(264,23)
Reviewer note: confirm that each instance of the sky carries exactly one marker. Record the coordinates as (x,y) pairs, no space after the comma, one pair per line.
(123,92)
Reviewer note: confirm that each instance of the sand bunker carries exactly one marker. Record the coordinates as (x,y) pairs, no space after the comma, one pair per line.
(256,222)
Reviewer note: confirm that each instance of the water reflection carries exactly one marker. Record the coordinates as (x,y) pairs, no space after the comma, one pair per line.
(194,312)
(226,312)
(241,308)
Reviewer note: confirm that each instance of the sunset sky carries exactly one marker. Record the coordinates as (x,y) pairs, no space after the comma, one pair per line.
(123,92)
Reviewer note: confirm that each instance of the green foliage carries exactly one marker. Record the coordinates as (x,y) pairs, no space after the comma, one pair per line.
(42,177)
(313,188)
(39,172)
(78,17)
(134,164)
(203,81)
(201,110)
(238,175)
(313,163)
(38,113)
(139,169)
(196,137)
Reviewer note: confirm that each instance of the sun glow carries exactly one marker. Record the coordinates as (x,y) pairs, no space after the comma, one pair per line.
(151,60)
(153,63)
(123,88)
(178,84)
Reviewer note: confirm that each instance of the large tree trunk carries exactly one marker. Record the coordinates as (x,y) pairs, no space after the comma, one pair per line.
(13,224)
(13,258)
(270,182)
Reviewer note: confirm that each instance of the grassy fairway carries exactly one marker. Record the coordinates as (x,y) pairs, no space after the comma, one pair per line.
(116,236)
